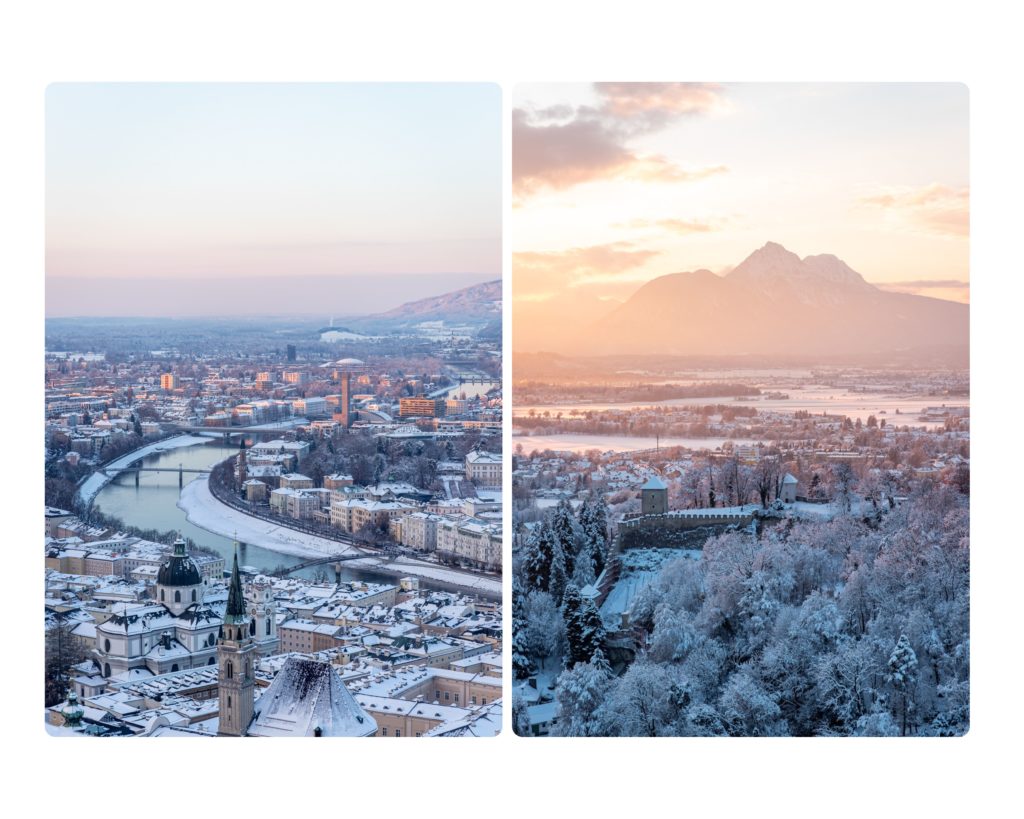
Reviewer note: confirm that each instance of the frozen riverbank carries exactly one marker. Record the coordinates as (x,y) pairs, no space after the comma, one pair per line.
(205,511)
(95,482)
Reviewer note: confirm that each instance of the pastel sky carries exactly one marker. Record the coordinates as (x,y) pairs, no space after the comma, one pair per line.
(617,183)
(377,191)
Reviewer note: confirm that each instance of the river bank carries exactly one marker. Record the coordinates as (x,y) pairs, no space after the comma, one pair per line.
(202,509)
(95,482)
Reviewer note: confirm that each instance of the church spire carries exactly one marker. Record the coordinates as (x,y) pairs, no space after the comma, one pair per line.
(235,649)
(236,601)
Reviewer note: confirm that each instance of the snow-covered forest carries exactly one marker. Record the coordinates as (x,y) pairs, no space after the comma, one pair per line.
(843,626)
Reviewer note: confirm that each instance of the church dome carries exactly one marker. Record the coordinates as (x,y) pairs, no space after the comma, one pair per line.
(179,569)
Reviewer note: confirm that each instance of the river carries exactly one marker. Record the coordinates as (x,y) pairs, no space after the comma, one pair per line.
(153,505)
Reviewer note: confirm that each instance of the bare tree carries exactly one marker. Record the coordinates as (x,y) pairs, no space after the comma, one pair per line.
(767,478)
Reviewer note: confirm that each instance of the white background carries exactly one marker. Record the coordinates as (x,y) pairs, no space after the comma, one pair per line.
(524,41)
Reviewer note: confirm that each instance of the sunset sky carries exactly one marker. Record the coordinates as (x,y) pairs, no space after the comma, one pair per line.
(618,183)
(370,194)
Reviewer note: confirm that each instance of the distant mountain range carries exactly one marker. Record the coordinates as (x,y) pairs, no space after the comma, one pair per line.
(775,303)
(480,302)
(478,306)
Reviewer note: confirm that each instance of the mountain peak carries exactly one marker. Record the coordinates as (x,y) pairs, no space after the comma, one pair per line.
(773,262)
(769,261)
(834,269)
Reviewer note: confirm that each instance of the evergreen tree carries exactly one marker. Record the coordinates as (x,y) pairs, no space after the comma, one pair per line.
(522,665)
(62,651)
(567,533)
(539,551)
(520,716)
(583,574)
(903,675)
(593,519)
(584,630)
(559,575)
(572,603)
(580,692)
(592,633)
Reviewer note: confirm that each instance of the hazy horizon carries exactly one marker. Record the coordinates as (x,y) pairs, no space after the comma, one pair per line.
(172,298)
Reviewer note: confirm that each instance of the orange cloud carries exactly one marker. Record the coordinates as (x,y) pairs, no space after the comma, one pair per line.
(935,208)
(541,274)
(667,99)
(680,227)
(562,146)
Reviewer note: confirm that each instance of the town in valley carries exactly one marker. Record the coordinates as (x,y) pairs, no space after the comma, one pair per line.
(274,527)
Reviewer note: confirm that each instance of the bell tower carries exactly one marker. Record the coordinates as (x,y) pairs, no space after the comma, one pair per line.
(236,655)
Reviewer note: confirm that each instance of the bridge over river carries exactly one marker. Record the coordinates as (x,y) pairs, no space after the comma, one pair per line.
(334,560)
(137,468)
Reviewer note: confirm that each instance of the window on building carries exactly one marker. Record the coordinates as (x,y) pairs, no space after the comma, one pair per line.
(193,595)
(473,699)
(174,667)
(162,597)
(456,698)
(268,625)
(211,661)
(229,670)
(383,732)
(177,596)
(483,701)
(398,732)
(447,696)
(106,645)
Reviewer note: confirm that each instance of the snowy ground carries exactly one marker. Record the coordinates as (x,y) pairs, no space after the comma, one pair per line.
(98,480)
(639,568)
(205,511)
(826,511)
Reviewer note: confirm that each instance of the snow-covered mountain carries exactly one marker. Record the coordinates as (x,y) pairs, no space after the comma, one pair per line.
(479,302)
(774,302)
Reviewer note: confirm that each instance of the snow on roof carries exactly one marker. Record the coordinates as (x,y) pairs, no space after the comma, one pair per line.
(654,482)
(306,695)
(484,723)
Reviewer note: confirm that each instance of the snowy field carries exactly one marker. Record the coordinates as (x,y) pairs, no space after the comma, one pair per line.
(203,510)
(897,408)
(98,480)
